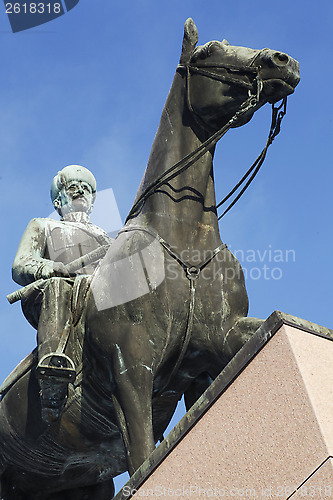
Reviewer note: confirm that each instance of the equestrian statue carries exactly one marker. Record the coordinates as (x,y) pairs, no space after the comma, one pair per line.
(134,323)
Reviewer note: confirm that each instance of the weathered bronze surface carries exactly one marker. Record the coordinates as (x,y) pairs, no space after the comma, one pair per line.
(166,309)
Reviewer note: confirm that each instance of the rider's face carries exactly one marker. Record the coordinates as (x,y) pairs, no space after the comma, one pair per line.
(76,196)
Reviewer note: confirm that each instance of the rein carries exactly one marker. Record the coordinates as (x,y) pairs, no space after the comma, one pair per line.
(250,103)
(275,128)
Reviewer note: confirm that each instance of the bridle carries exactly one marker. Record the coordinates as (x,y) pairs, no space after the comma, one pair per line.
(234,76)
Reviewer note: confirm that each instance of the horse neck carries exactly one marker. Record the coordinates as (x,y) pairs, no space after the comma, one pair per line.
(183,210)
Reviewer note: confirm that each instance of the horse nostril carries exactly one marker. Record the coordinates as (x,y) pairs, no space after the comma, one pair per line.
(280,59)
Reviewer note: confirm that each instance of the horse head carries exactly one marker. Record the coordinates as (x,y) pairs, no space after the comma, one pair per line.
(221,77)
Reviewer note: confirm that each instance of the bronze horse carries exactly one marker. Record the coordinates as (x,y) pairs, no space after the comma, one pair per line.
(166,307)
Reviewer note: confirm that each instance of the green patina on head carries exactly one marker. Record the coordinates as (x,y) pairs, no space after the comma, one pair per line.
(73,189)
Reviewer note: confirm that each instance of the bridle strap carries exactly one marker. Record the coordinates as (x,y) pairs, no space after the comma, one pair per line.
(230,77)
(202,69)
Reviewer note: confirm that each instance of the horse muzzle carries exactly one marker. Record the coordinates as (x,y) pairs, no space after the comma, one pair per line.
(279,73)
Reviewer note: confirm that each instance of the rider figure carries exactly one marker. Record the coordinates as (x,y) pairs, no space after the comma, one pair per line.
(47,246)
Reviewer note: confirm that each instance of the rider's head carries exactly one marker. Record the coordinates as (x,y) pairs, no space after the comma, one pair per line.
(73,189)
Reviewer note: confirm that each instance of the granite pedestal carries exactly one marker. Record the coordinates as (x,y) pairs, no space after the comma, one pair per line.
(264,429)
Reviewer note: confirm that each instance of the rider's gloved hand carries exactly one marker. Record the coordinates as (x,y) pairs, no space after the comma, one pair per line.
(52,269)
(59,269)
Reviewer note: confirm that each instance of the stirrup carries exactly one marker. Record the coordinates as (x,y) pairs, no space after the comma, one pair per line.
(63,369)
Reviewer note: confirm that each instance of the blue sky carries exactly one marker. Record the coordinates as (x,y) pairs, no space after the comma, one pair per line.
(89,87)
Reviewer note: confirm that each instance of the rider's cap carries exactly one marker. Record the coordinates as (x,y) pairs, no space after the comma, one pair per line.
(71,173)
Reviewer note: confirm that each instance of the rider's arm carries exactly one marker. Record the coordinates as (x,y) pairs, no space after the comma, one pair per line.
(30,263)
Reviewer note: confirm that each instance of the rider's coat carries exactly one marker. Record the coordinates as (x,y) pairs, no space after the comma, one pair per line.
(47,240)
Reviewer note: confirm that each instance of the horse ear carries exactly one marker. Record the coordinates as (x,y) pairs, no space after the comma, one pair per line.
(190,40)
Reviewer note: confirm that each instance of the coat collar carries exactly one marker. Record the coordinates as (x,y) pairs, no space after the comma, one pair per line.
(76,217)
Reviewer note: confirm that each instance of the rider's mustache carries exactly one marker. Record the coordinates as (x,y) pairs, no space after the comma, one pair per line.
(79,194)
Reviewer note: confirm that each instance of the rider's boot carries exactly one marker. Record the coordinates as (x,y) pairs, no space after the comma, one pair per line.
(54,372)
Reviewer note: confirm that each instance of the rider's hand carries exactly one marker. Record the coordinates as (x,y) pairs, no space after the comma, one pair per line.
(59,269)
(52,269)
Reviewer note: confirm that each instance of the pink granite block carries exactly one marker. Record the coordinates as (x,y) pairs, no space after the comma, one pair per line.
(266,434)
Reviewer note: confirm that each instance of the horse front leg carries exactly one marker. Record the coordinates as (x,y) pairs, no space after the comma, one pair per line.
(196,389)
(235,338)
(133,377)
(239,334)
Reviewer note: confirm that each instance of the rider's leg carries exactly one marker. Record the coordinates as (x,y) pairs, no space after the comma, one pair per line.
(54,314)
(54,370)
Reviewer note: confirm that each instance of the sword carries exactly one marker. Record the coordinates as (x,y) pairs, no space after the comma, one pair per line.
(73,266)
